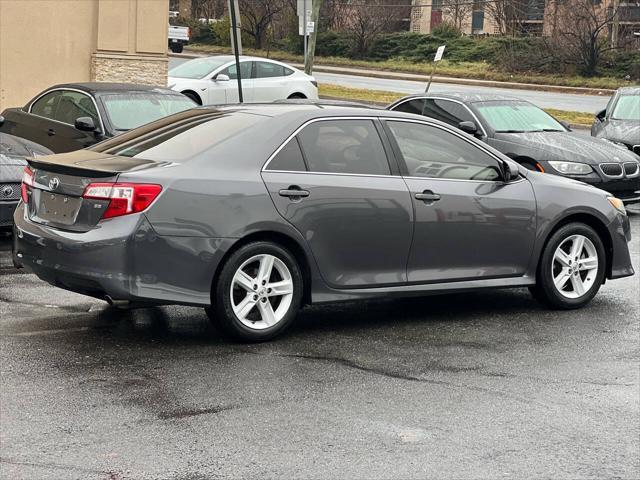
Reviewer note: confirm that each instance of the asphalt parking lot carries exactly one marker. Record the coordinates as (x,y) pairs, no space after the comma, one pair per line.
(480,385)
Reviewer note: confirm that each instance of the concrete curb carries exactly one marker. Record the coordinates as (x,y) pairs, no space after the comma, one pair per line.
(425,78)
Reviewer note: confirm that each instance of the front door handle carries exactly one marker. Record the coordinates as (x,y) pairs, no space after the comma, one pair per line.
(428,196)
(51,132)
(294,192)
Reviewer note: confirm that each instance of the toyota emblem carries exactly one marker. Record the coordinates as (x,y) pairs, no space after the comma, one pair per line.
(54,183)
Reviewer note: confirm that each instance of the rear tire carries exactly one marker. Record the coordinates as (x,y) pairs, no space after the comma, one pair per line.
(176,47)
(572,267)
(296,95)
(258,293)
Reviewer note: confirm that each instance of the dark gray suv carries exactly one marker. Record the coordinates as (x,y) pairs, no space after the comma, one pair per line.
(252,211)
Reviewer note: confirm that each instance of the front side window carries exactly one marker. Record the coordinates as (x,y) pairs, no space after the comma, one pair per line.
(131,110)
(269,70)
(46,105)
(444,110)
(517,117)
(232,71)
(73,105)
(627,108)
(435,153)
(344,146)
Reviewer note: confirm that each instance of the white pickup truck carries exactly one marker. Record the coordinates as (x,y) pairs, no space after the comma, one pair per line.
(178,37)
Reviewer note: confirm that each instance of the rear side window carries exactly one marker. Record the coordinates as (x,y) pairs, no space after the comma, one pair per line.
(436,153)
(269,70)
(289,158)
(444,110)
(46,105)
(344,146)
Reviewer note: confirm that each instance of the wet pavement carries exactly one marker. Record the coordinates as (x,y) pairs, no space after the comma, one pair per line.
(478,385)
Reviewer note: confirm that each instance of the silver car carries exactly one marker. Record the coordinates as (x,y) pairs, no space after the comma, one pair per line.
(252,211)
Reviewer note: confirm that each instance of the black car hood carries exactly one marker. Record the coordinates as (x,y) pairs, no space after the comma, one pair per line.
(12,146)
(568,146)
(624,131)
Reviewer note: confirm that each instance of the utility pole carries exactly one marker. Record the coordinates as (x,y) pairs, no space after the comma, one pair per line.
(616,24)
(304,29)
(315,18)
(236,42)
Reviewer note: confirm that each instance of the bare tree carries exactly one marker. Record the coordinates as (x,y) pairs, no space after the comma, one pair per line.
(581,33)
(208,8)
(507,15)
(258,16)
(365,21)
(457,12)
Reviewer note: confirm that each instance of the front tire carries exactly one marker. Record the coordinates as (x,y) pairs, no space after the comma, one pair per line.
(258,293)
(572,267)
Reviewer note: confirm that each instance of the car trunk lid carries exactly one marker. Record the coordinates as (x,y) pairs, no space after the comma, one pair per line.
(59,181)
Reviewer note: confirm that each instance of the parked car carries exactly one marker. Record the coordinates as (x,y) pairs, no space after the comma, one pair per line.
(13,151)
(534,139)
(619,122)
(178,38)
(253,210)
(213,80)
(71,116)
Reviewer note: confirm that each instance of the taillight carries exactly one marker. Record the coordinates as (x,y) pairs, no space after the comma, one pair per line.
(124,198)
(27,184)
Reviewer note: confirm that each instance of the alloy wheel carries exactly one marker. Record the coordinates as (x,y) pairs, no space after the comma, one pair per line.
(575,266)
(261,291)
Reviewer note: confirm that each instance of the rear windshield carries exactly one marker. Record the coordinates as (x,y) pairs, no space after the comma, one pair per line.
(179,137)
(130,110)
(198,67)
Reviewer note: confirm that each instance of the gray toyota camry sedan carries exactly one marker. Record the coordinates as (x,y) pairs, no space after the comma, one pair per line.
(252,211)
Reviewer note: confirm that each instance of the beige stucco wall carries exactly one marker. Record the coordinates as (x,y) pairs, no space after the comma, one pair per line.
(44,42)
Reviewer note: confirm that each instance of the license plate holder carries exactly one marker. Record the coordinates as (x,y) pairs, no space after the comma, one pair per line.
(56,208)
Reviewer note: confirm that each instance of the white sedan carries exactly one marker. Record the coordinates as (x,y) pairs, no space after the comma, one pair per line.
(213,80)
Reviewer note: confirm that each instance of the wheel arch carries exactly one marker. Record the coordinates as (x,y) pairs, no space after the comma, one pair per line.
(297,95)
(279,238)
(189,91)
(594,222)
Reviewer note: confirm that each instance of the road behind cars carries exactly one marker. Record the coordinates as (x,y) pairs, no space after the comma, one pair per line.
(479,385)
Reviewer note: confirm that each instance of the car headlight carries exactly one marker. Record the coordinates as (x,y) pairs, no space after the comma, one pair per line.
(617,204)
(571,168)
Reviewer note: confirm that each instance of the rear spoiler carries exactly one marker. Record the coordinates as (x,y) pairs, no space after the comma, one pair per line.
(91,164)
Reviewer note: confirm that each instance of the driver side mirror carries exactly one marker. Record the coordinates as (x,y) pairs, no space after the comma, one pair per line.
(85,124)
(468,127)
(601,115)
(511,171)
(221,77)
(1,120)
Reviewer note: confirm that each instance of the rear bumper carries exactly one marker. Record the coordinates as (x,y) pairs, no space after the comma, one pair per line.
(122,258)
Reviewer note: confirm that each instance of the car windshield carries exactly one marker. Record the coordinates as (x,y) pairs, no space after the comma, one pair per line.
(130,110)
(517,117)
(627,108)
(198,67)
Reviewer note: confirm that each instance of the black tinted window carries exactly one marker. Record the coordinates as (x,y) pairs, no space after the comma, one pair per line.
(435,153)
(73,105)
(268,70)
(289,158)
(444,110)
(344,146)
(232,72)
(46,105)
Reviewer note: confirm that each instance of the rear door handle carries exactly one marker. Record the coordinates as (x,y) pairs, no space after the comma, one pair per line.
(51,132)
(293,192)
(427,196)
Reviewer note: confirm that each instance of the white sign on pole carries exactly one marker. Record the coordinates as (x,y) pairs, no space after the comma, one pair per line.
(439,53)
(310,27)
